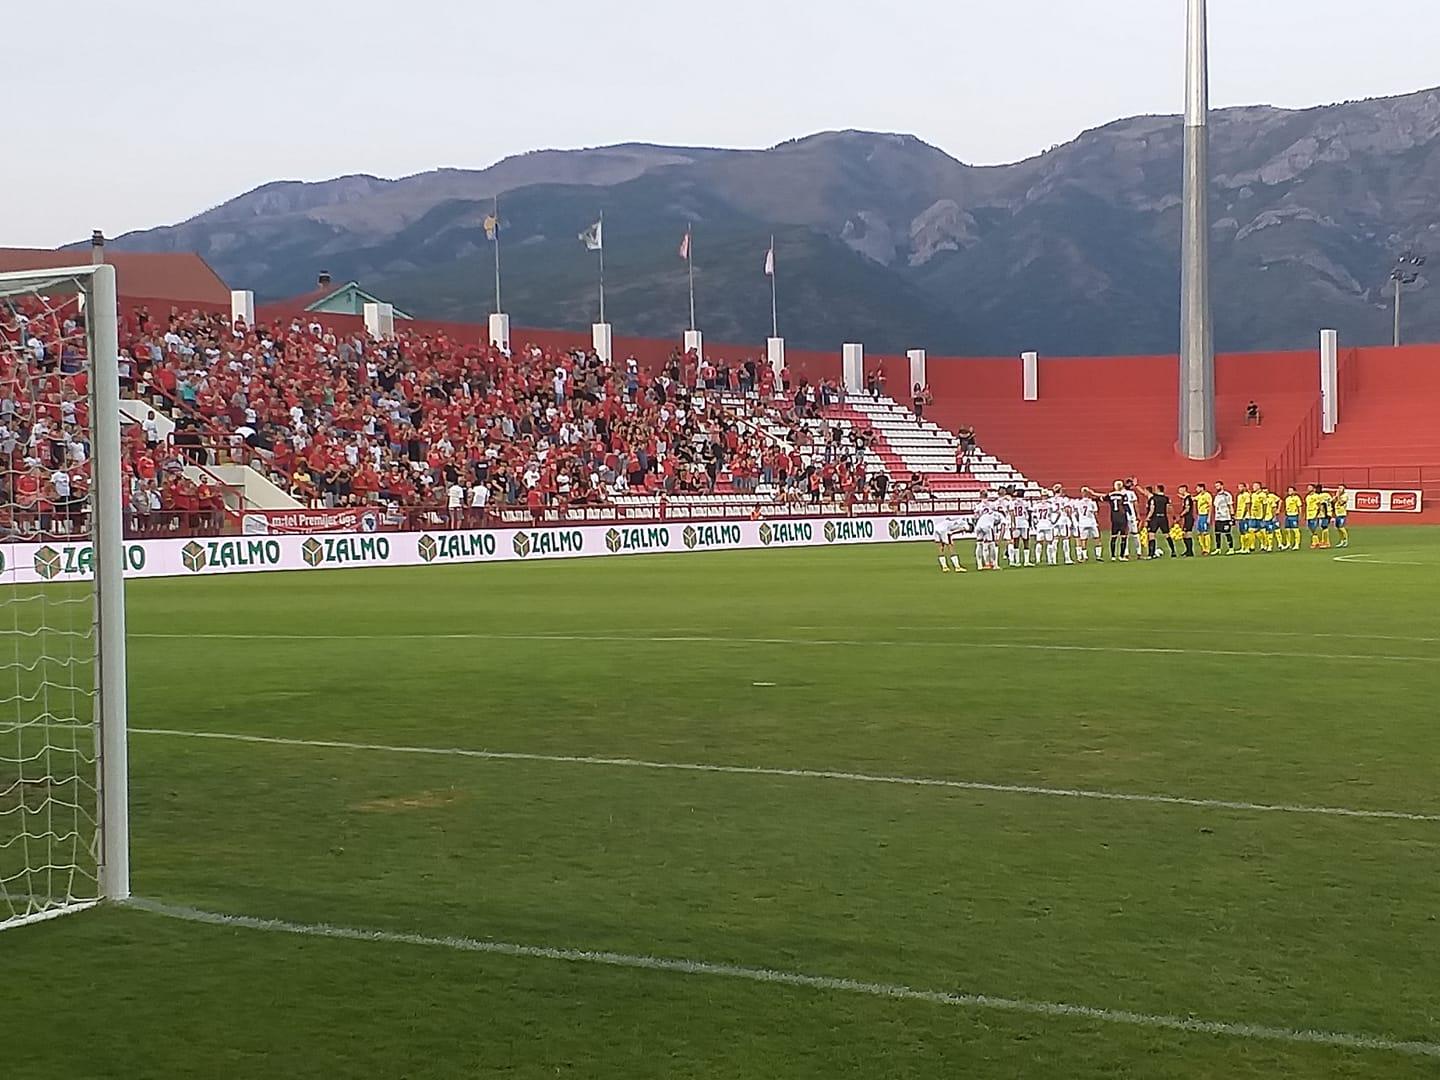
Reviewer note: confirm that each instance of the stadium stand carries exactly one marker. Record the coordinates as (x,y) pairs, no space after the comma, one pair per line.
(335,420)
(426,423)
(1388,436)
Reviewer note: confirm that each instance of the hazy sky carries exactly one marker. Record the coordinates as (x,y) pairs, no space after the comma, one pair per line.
(127,115)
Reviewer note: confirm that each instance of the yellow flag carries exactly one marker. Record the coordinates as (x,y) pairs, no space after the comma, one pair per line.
(492,226)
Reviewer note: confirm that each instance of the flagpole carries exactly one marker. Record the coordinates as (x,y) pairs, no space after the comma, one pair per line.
(496,214)
(602,266)
(774,319)
(690,264)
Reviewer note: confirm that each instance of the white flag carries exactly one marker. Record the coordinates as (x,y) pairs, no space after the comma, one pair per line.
(592,237)
(770,260)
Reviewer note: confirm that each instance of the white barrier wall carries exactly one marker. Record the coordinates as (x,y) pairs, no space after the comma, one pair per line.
(30,563)
(242,306)
(917,367)
(775,353)
(500,331)
(852,367)
(1030,362)
(695,342)
(380,320)
(1329,381)
(601,339)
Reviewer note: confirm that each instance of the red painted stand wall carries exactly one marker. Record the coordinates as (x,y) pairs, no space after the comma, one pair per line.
(1099,419)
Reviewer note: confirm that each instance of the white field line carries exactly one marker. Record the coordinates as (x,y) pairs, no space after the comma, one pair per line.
(708,639)
(1371,560)
(802,774)
(1047,1009)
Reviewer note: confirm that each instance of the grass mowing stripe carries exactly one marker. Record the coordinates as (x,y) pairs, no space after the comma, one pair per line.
(806,774)
(1144,628)
(706,639)
(1228,1029)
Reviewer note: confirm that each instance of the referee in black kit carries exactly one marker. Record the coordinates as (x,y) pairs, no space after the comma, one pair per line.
(1157,519)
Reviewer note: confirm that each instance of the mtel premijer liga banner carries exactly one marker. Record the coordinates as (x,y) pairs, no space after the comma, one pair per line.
(1385,501)
(28,563)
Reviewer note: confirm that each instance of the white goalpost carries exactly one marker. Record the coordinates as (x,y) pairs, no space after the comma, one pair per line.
(64,798)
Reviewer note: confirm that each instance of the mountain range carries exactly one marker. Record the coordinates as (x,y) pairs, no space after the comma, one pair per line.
(884,239)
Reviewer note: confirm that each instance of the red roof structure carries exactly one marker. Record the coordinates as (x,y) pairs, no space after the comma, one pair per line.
(179,277)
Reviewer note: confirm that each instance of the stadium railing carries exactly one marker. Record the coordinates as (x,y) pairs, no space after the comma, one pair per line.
(1286,469)
(73,526)
(442,519)
(56,526)
(1385,477)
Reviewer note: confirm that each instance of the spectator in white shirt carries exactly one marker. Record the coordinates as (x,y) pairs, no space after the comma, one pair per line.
(455,503)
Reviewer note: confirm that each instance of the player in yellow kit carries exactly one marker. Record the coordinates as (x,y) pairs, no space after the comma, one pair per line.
(1260,527)
(1312,515)
(1340,503)
(1242,517)
(1204,506)
(1272,523)
(1327,510)
(1293,505)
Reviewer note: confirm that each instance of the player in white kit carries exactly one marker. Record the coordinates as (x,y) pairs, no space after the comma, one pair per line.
(1064,523)
(1019,531)
(987,550)
(1045,523)
(1057,507)
(1087,528)
(948,531)
(1132,516)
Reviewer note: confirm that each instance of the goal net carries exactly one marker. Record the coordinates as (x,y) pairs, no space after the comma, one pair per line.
(63,824)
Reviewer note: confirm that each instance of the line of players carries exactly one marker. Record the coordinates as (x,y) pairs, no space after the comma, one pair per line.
(1055,528)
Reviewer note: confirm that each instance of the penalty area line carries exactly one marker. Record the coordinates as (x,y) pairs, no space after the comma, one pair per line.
(802,774)
(774,977)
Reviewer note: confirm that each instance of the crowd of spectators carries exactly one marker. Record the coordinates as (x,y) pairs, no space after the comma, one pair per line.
(340,420)
(45,451)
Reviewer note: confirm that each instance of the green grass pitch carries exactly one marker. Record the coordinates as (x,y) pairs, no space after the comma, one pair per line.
(1280,681)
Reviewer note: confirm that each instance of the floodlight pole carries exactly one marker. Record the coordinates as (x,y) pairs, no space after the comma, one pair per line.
(1197,342)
